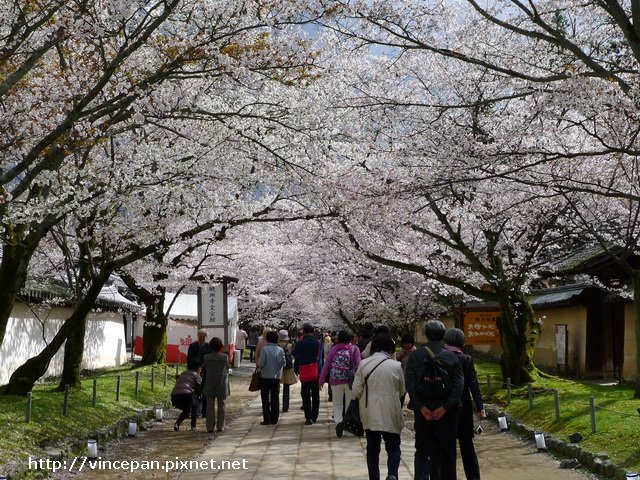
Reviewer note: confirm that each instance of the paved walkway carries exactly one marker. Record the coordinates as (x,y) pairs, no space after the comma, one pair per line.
(292,450)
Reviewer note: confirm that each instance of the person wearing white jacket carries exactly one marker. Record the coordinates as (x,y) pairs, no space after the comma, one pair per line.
(378,385)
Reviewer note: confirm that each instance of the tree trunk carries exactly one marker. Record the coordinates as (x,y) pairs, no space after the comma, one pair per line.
(13,272)
(26,375)
(154,332)
(74,348)
(519,334)
(154,336)
(73,355)
(635,278)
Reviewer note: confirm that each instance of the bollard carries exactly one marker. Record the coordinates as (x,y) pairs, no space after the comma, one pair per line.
(488,385)
(556,403)
(94,400)
(29,401)
(508,391)
(592,411)
(530,395)
(164,380)
(118,388)
(137,384)
(153,377)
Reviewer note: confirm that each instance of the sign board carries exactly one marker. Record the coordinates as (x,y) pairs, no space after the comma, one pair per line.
(481,327)
(562,346)
(211,306)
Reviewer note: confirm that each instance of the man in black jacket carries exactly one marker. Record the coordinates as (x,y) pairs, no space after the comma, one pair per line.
(195,353)
(435,420)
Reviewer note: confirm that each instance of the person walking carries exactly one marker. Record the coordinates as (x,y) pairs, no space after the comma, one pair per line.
(366,335)
(241,341)
(288,376)
(184,395)
(252,341)
(262,341)
(435,418)
(454,339)
(339,367)
(216,385)
(308,354)
(195,353)
(378,385)
(408,344)
(271,363)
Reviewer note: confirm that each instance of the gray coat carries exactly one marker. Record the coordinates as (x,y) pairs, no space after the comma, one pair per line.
(216,380)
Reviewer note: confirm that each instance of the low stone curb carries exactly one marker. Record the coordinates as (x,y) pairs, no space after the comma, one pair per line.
(78,447)
(598,463)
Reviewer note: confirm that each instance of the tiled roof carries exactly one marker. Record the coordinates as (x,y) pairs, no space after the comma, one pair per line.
(108,297)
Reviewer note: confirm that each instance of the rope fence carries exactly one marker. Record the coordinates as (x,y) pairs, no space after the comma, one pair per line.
(105,389)
(590,403)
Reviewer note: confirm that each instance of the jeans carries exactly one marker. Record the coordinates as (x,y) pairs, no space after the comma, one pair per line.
(391,445)
(269,392)
(310,392)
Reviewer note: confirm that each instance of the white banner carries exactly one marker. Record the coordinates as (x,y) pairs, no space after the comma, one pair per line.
(211,306)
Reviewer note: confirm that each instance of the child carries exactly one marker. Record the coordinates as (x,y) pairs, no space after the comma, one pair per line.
(184,395)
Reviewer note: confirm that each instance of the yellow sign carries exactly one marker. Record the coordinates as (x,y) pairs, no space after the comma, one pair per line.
(481,328)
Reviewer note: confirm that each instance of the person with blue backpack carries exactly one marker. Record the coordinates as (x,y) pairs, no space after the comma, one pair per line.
(339,367)
(434,381)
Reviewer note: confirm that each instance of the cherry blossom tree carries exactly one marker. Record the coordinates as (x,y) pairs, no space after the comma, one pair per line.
(127,116)
(553,104)
(77,75)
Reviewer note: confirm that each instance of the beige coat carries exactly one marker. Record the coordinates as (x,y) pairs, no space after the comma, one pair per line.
(380,408)
(288,376)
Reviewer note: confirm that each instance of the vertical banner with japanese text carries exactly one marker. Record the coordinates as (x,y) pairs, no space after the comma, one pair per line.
(211,306)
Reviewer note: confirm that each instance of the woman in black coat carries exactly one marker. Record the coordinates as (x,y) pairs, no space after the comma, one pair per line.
(454,338)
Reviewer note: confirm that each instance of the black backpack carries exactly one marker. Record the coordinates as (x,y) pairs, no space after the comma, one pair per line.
(433,383)
(288,358)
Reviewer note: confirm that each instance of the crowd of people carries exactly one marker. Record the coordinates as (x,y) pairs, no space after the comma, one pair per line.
(368,367)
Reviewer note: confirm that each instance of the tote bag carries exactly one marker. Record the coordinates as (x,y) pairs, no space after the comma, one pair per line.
(309,372)
(351,420)
(254,385)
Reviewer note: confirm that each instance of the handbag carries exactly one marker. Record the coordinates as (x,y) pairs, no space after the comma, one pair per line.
(309,372)
(254,385)
(351,420)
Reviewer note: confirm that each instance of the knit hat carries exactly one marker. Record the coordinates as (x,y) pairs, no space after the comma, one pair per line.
(283,335)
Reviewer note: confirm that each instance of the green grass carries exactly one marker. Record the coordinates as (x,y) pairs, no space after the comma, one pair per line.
(20,440)
(617,418)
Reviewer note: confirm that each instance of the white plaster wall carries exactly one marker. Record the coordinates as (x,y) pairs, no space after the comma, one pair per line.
(26,336)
